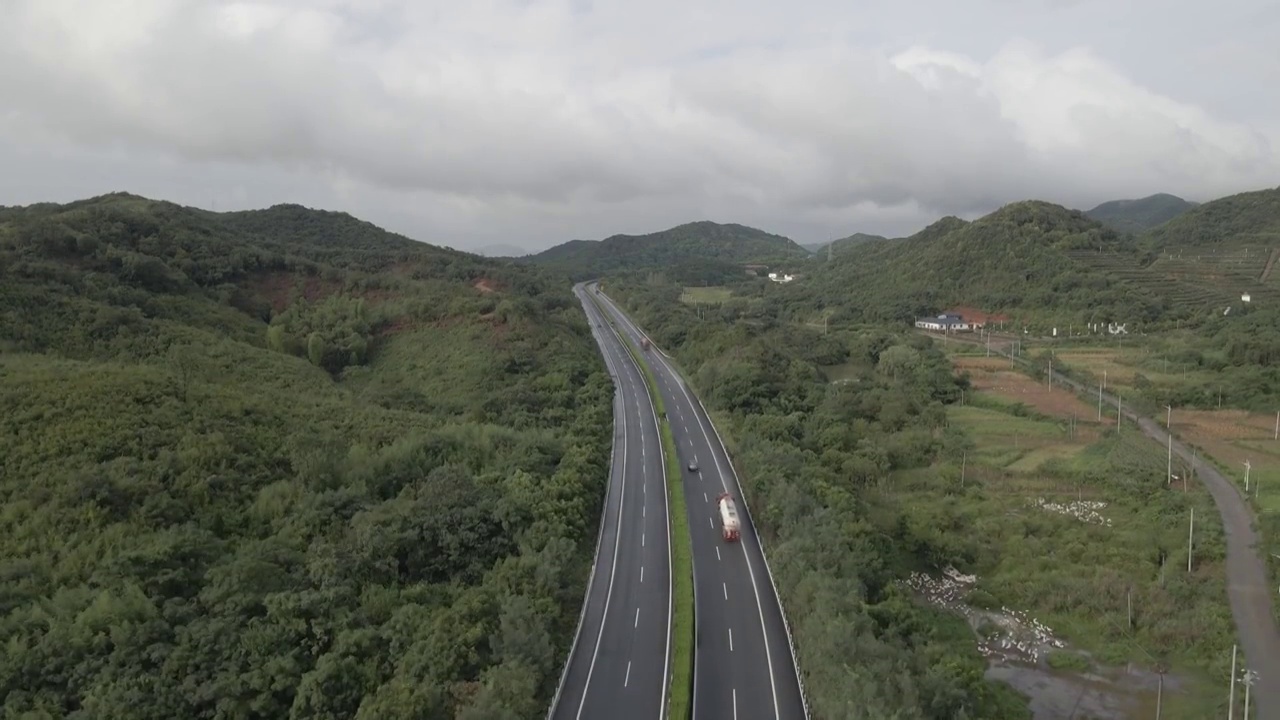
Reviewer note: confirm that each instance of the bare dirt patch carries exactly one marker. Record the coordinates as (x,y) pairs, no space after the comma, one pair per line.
(1225,424)
(993,375)
(484,285)
(277,288)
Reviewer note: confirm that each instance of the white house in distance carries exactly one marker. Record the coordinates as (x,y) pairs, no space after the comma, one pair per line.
(947,323)
(781,278)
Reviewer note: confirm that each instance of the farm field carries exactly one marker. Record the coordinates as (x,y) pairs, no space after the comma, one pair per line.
(1133,369)
(709,295)
(994,376)
(1232,437)
(1065,528)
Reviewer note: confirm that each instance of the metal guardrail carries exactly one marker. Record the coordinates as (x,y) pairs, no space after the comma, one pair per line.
(786,623)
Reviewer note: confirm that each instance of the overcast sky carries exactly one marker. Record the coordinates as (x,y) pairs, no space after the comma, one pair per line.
(532,122)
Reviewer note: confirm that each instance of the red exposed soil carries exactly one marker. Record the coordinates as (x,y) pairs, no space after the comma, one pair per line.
(277,288)
(484,285)
(994,376)
(398,325)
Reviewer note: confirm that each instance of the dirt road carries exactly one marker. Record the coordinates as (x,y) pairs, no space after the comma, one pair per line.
(1248,590)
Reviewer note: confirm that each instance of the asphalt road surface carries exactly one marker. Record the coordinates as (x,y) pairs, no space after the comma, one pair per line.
(619,666)
(744,666)
(1248,590)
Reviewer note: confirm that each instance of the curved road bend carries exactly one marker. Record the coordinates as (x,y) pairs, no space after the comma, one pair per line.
(1247,587)
(620,661)
(744,667)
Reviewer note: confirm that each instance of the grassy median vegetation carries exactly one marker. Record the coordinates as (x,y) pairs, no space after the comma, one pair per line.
(681,705)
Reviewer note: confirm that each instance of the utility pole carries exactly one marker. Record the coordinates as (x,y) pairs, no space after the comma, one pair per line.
(1246,477)
(1231,697)
(1190,533)
(1119,412)
(1049,378)
(1248,679)
(964,458)
(1160,690)
(1099,402)
(1277,435)
(1168,423)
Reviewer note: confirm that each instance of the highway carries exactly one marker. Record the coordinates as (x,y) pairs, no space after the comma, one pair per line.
(744,663)
(619,666)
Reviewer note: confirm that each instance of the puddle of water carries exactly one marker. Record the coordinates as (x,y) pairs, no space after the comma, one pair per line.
(1109,694)
(1016,646)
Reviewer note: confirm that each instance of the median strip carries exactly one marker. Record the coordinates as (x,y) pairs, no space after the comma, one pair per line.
(681,701)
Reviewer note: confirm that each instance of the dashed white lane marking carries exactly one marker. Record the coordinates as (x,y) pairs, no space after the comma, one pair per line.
(717,553)
(730,639)
(726,590)
(637,622)
(627,680)
(641,573)
(712,523)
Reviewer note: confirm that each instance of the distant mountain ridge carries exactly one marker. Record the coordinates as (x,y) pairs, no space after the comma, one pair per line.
(1136,216)
(714,246)
(853,239)
(1041,260)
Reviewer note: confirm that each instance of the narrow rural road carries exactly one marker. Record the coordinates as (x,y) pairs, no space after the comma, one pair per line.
(1247,586)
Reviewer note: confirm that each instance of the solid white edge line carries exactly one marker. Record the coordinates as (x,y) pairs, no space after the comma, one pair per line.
(604,615)
(764,630)
(595,567)
(782,613)
(582,614)
(666,511)
(694,701)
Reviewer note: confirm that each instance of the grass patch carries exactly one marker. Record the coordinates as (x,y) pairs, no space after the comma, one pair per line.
(681,699)
(1076,567)
(1066,660)
(710,295)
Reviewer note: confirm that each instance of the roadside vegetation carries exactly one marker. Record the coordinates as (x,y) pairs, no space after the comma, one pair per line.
(285,464)
(939,512)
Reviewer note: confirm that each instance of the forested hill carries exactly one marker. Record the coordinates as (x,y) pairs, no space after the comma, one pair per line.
(1136,216)
(285,464)
(699,250)
(839,244)
(1025,256)
(1250,219)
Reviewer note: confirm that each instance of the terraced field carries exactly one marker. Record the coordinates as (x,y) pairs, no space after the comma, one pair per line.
(1198,276)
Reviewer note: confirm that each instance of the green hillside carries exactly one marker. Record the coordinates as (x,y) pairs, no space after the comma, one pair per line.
(1136,216)
(841,243)
(282,463)
(698,251)
(1019,257)
(1207,257)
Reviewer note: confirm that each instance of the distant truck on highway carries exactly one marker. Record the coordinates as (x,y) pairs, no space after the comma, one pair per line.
(729,525)
(644,343)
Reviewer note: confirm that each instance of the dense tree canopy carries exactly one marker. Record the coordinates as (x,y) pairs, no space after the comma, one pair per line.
(284,464)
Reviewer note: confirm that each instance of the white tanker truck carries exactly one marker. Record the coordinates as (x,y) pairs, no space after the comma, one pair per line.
(729,524)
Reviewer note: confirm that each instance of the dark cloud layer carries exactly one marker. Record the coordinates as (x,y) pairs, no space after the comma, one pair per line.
(534,122)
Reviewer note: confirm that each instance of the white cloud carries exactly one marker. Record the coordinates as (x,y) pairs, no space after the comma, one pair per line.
(543,120)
